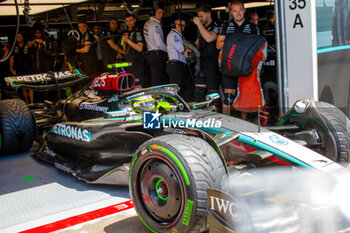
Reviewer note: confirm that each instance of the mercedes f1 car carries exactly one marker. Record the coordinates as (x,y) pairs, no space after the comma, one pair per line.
(168,151)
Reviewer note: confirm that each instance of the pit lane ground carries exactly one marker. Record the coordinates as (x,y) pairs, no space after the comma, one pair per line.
(37,197)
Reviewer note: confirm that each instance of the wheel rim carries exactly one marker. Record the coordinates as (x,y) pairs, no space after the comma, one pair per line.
(160,191)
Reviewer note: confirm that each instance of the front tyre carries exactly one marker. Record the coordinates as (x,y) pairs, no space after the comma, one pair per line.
(169,176)
(339,125)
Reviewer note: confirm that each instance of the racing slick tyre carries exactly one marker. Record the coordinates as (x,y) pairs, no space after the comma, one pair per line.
(339,125)
(169,177)
(16,127)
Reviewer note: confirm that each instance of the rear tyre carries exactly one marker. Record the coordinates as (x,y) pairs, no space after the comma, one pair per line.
(169,177)
(339,124)
(17,130)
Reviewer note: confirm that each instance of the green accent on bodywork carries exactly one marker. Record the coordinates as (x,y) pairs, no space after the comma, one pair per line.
(260,152)
(69,92)
(119,111)
(28,178)
(295,115)
(126,119)
(146,224)
(134,119)
(281,122)
(213,94)
(164,85)
(187,216)
(163,198)
(210,95)
(78,72)
(332,49)
(118,65)
(134,96)
(113,119)
(177,161)
(12,82)
(246,139)
(318,122)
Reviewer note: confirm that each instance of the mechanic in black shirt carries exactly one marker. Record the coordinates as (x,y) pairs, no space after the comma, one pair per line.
(209,79)
(268,30)
(41,49)
(254,18)
(110,47)
(21,64)
(99,55)
(85,50)
(133,40)
(237,25)
(4,67)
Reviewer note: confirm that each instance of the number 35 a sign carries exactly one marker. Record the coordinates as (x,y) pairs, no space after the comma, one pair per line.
(299,43)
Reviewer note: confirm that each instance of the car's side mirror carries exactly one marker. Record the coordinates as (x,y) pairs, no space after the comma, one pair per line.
(116,82)
(125,82)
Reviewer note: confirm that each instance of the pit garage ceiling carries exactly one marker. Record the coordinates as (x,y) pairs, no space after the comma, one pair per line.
(55,11)
(7,7)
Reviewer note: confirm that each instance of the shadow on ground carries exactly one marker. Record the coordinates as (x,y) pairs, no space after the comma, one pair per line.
(127,225)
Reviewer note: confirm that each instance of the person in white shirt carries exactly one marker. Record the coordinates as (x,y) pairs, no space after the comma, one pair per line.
(176,67)
(156,49)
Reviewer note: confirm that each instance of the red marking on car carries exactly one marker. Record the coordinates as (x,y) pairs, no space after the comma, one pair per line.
(242,147)
(279,161)
(191,132)
(110,82)
(81,218)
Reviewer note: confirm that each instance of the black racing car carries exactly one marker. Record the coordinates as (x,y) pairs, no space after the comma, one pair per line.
(168,151)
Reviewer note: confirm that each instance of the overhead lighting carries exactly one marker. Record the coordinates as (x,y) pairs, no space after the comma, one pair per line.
(8,7)
(248,5)
(41,2)
(11,10)
(257,4)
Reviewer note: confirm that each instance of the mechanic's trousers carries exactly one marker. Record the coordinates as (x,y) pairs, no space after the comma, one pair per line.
(178,74)
(156,61)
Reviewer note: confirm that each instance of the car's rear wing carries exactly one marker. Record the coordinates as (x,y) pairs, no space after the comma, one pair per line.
(47,81)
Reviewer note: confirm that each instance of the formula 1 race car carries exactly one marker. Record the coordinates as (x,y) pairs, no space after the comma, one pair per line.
(168,151)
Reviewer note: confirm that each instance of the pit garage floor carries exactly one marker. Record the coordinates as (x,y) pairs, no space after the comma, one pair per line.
(37,197)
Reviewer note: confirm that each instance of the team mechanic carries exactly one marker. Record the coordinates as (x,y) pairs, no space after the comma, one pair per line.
(134,49)
(87,56)
(237,25)
(110,47)
(209,78)
(176,67)
(156,49)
